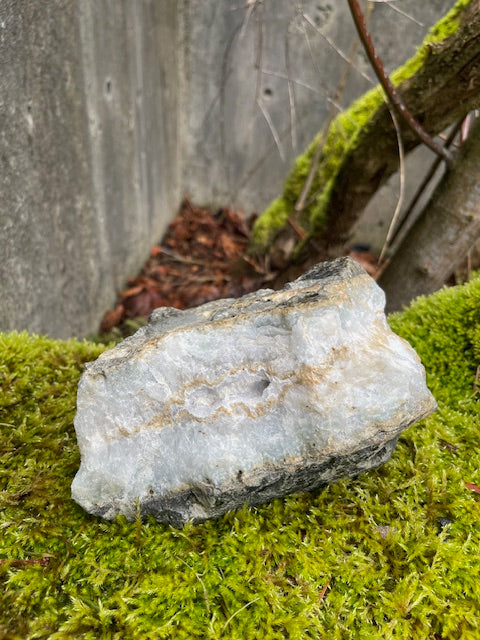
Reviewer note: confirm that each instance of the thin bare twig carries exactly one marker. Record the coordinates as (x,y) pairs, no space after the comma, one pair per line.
(298,230)
(258,99)
(391,5)
(173,255)
(273,131)
(343,55)
(291,92)
(423,185)
(283,76)
(43,561)
(250,6)
(300,204)
(388,87)
(323,591)
(398,208)
(259,57)
(258,163)
(309,44)
(226,70)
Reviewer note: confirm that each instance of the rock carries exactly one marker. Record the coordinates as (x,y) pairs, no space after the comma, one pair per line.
(385,530)
(241,401)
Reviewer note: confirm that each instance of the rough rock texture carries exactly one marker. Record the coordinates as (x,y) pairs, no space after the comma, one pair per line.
(240,401)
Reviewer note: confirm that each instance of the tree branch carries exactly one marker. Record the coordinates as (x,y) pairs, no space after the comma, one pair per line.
(394,97)
(442,236)
(445,87)
(441,84)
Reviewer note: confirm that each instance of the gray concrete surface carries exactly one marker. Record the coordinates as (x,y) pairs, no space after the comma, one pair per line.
(89,163)
(373,225)
(111,110)
(260,77)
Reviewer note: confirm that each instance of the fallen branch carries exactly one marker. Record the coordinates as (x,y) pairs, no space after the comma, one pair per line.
(442,235)
(392,94)
(43,561)
(440,84)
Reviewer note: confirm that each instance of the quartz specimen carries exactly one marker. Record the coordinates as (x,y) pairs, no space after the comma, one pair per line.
(240,401)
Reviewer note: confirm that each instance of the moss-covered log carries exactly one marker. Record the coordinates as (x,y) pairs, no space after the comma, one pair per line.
(439,84)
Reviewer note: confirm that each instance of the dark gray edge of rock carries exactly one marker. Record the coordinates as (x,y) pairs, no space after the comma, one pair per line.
(280,482)
(336,270)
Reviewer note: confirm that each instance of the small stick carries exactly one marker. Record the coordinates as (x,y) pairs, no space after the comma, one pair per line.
(388,87)
(323,591)
(431,172)
(185,259)
(298,230)
(14,562)
(398,208)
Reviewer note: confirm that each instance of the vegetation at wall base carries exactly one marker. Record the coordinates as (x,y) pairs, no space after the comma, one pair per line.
(394,553)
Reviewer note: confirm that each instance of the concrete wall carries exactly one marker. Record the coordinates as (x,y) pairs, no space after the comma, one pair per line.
(89,166)
(260,79)
(110,110)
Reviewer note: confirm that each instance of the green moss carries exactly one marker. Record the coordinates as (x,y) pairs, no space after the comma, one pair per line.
(257,573)
(342,138)
(441,30)
(273,219)
(452,348)
(448,25)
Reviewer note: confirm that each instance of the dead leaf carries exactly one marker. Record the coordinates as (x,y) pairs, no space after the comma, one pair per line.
(472,487)
(112,318)
(132,291)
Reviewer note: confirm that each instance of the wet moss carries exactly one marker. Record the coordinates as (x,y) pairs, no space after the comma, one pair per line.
(449,24)
(273,219)
(361,558)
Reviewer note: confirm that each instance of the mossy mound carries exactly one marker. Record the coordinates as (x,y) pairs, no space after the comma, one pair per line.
(365,558)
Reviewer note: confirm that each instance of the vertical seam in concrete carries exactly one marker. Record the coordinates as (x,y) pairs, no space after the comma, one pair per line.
(87,44)
(141,183)
(183,76)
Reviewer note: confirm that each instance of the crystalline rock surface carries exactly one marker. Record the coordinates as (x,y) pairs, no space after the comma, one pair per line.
(240,401)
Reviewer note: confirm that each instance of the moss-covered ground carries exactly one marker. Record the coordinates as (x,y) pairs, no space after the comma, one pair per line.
(392,554)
